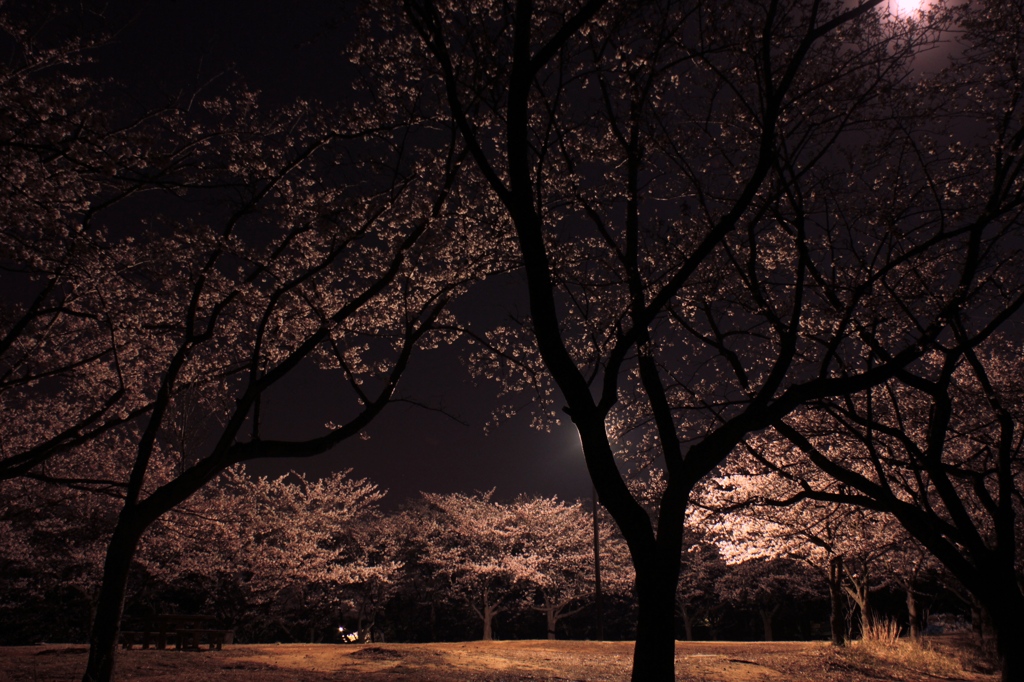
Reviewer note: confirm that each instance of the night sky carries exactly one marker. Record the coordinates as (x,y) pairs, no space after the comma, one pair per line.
(290,50)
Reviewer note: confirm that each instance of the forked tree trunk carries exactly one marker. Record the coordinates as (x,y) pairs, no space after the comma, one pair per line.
(552,620)
(555,611)
(837,622)
(487,614)
(766,622)
(110,604)
(859,592)
(656,555)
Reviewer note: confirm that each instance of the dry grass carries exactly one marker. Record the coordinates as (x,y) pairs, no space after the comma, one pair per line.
(882,646)
(504,661)
(882,632)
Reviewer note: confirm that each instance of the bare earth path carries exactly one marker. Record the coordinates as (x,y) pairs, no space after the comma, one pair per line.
(503,661)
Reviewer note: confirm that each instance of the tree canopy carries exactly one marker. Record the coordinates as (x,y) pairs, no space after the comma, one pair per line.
(789,228)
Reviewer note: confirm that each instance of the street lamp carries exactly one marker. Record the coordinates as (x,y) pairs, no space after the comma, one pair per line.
(597,566)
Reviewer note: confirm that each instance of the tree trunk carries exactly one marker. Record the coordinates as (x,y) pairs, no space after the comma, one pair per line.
(1008,623)
(107,624)
(978,624)
(913,615)
(766,622)
(552,619)
(859,592)
(1011,657)
(865,618)
(654,655)
(488,614)
(835,592)
(488,633)
(1010,647)
(687,622)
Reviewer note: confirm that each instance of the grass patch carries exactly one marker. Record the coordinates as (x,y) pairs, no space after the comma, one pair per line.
(882,647)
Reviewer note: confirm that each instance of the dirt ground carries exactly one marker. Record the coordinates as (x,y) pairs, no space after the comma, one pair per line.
(503,661)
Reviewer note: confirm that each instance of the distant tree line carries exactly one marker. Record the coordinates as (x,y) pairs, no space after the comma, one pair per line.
(290,559)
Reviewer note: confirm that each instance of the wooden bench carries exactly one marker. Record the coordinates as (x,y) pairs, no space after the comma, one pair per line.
(187,631)
(215,639)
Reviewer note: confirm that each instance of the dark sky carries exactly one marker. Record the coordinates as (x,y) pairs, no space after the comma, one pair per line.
(412,449)
(291,50)
(287,50)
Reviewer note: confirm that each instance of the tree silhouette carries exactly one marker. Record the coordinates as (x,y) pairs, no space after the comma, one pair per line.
(266,240)
(712,215)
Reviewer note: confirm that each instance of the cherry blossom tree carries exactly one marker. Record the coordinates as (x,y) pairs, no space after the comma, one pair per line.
(375,542)
(687,189)
(75,155)
(316,264)
(477,546)
(272,557)
(765,586)
(54,541)
(300,237)
(290,548)
(422,590)
(938,446)
(696,596)
(534,553)
(186,259)
(938,449)
(558,548)
(853,550)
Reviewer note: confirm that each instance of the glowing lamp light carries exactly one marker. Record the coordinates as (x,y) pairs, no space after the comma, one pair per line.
(906,8)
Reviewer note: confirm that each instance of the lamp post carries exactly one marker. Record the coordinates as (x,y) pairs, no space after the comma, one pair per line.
(597,567)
